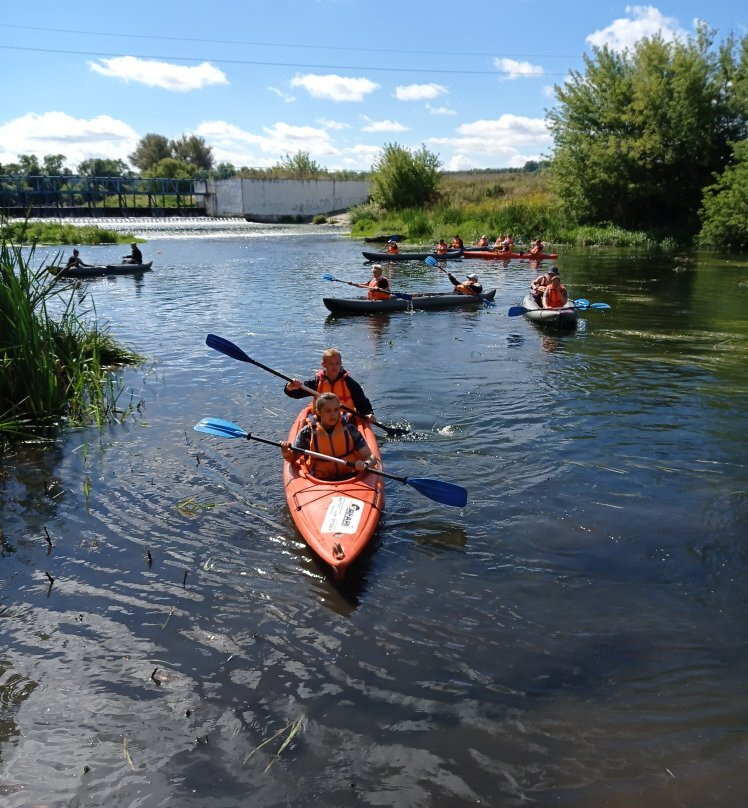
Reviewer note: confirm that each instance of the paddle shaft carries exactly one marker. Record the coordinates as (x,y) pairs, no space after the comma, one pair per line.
(338,460)
(401,295)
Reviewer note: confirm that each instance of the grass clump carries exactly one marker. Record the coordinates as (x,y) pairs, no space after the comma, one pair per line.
(61,233)
(52,369)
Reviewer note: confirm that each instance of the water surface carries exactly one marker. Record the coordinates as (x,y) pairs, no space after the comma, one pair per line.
(575,636)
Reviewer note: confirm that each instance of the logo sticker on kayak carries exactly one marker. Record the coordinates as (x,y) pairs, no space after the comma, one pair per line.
(343,515)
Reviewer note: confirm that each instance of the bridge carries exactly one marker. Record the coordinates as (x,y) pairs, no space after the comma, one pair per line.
(75,196)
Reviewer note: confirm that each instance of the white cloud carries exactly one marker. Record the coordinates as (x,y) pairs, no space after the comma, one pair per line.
(515,70)
(644,21)
(419,92)
(328,124)
(335,88)
(519,160)
(59,133)
(382,126)
(440,110)
(179,78)
(284,96)
(503,139)
(459,162)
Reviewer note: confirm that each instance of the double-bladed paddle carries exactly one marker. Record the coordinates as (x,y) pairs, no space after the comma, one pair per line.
(235,352)
(516,311)
(432,262)
(438,490)
(399,295)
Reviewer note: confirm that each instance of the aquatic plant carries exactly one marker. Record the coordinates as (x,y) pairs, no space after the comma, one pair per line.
(53,369)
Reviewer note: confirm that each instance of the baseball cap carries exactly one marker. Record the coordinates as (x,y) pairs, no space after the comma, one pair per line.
(553,271)
(472,277)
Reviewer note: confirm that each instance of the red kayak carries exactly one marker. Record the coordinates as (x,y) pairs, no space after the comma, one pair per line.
(337,518)
(496,255)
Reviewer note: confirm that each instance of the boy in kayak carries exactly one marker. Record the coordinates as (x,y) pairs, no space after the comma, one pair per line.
(468,287)
(457,243)
(393,247)
(328,431)
(555,295)
(135,257)
(537,247)
(75,261)
(482,241)
(333,378)
(541,283)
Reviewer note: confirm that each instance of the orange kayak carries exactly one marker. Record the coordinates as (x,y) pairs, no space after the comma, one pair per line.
(337,518)
(497,255)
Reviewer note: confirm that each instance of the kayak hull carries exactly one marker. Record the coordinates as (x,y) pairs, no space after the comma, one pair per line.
(496,255)
(565,317)
(336,518)
(100,271)
(410,256)
(361,305)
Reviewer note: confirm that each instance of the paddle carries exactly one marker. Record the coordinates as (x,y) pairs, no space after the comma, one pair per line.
(516,311)
(235,352)
(438,490)
(399,295)
(431,261)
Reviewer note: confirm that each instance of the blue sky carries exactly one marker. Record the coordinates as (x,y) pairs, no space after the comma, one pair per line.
(336,78)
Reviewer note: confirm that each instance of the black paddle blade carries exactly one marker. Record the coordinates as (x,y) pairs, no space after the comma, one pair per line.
(439,491)
(392,431)
(225,347)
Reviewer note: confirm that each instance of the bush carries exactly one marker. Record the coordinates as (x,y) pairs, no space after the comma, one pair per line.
(405,179)
(724,211)
(320,218)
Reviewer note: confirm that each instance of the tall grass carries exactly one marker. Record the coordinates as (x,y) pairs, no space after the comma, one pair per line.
(518,203)
(52,369)
(58,233)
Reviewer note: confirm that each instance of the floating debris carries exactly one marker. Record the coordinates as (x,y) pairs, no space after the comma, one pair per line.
(292,727)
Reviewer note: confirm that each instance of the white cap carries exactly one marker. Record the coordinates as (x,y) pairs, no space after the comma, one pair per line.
(472,277)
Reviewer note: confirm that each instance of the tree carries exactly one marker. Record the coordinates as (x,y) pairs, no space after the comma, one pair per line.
(724,214)
(171,168)
(194,150)
(223,171)
(53,165)
(150,149)
(101,167)
(29,165)
(639,132)
(405,179)
(300,166)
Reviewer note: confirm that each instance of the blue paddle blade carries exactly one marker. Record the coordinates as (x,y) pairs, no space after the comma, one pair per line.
(515,311)
(217,426)
(599,306)
(401,296)
(581,303)
(439,491)
(431,261)
(226,347)
(327,277)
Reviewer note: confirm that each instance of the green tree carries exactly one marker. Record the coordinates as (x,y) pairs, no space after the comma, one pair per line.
(300,166)
(171,168)
(150,149)
(53,165)
(29,165)
(639,133)
(724,214)
(223,171)
(101,167)
(405,179)
(194,150)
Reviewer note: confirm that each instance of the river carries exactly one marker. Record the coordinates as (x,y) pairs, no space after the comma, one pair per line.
(575,636)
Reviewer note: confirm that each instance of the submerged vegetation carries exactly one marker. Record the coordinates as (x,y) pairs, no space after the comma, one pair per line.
(53,368)
(60,233)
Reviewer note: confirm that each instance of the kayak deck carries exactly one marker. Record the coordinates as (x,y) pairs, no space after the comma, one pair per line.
(95,271)
(336,518)
(410,256)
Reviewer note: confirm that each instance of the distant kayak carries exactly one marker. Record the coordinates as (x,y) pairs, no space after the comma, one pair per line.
(496,255)
(99,271)
(565,317)
(337,518)
(437,300)
(410,256)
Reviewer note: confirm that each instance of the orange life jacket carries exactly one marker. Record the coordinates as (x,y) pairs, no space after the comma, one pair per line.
(393,248)
(441,248)
(337,443)
(375,293)
(468,288)
(554,298)
(339,387)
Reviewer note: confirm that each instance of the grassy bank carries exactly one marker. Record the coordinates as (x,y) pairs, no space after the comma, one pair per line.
(52,370)
(61,233)
(518,203)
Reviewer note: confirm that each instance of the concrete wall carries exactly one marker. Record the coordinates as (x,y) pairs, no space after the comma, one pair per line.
(271,200)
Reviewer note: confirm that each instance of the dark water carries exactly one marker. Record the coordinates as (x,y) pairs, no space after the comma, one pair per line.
(575,637)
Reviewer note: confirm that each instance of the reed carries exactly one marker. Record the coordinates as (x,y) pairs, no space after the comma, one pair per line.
(25,232)
(53,369)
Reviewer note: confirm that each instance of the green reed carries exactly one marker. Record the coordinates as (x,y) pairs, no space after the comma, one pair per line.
(26,232)
(53,369)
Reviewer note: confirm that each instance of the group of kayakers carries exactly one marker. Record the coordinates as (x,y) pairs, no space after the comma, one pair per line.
(548,290)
